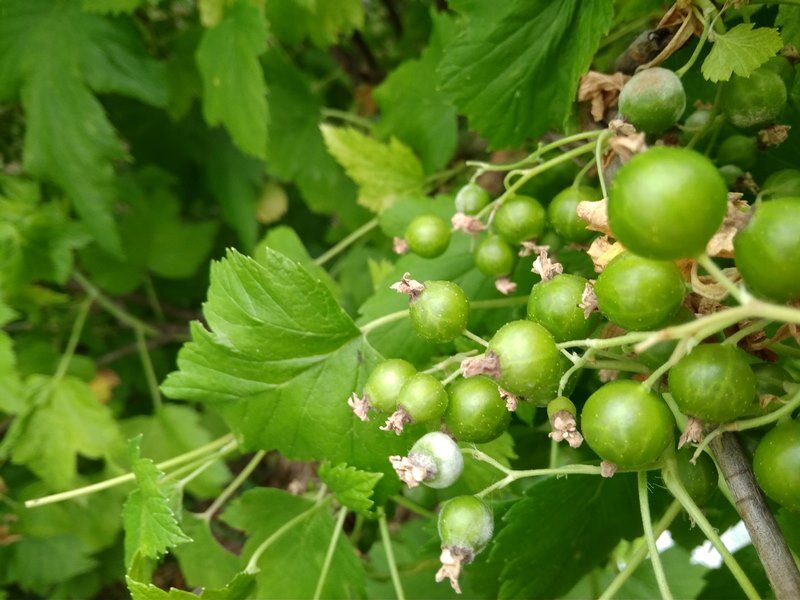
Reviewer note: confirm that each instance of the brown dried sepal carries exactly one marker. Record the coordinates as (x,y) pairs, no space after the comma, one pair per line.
(467,224)
(595,213)
(546,268)
(736,217)
(510,399)
(410,287)
(360,406)
(785,331)
(588,300)
(530,247)
(414,468)
(624,146)
(396,421)
(708,287)
(601,90)
(505,286)
(485,364)
(764,400)
(399,245)
(603,251)
(682,16)
(693,432)
(565,427)
(606,375)
(607,469)
(774,135)
(452,558)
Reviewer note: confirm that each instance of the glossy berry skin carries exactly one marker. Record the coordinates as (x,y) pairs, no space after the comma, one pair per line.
(428,236)
(467,523)
(699,479)
(653,100)
(739,150)
(781,184)
(714,382)
(562,215)
(471,198)
(494,257)
(562,403)
(639,294)
(385,382)
(777,464)
(530,363)
(554,305)
(768,250)
(666,203)
(519,218)
(627,425)
(754,101)
(443,453)
(423,397)
(439,313)
(476,412)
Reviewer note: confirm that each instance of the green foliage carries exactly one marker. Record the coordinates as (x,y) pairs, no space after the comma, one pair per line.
(741,51)
(352,488)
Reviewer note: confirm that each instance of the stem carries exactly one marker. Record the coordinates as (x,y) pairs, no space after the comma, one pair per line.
(759,521)
(513,476)
(147,366)
(329,554)
(676,355)
(456,358)
(152,297)
(475,338)
(674,485)
(115,481)
(387,547)
(335,113)
(252,564)
(733,340)
(413,506)
(641,552)
(347,241)
(655,558)
(712,269)
(452,377)
(598,159)
(120,314)
(198,465)
(233,486)
(74,338)
(385,319)
(696,54)
(576,366)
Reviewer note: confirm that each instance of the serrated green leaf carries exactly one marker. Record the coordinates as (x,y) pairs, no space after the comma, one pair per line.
(239,588)
(414,110)
(788,20)
(383,172)
(172,431)
(575,521)
(48,53)
(291,565)
(352,488)
(36,564)
(234,92)
(279,362)
(63,420)
(740,50)
(500,71)
(330,20)
(204,562)
(151,527)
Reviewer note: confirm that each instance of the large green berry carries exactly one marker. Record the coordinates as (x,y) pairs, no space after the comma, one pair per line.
(471,198)
(476,412)
(423,397)
(653,100)
(440,456)
(739,150)
(777,464)
(563,216)
(754,101)
(781,184)
(519,218)
(428,236)
(384,383)
(466,523)
(699,479)
(494,257)
(439,313)
(554,304)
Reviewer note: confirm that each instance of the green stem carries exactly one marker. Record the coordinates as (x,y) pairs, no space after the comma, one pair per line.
(674,485)
(513,476)
(631,366)
(120,314)
(387,547)
(329,554)
(576,366)
(456,358)
(733,340)
(413,506)
(677,354)
(252,564)
(233,486)
(475,338)
(342,115)
(384,320)
(696,54)
(147,367)
(655,557)
(198,465)
(576,183)
(74,338)
(640,553)
(347,241)
(152,297)
(598,159)
(115,481)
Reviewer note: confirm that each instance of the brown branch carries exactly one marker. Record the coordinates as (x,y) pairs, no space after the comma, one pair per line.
(761,525)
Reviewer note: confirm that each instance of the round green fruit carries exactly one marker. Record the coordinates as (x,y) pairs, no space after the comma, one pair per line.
(696,123)
(530,363)
(423,397)
(440,456)
(554,304)
(471,198)
(653,100)
(563,216)
(494,257)
(781,184)
(739,150)
(768,250)
(428,236)
(699,479)
(637,293)
(731,174)
(440,312)
(777,464)
(627,425)
(476,412)
(466,523)
(519,218)
(755,101)
(781,66)
(666,203)
(384,383)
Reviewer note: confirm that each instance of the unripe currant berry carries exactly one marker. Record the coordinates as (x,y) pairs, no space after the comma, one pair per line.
(435,460)
(465,526)
(471,198)
(428,236)
(384,383)
(439,313)
(421,399)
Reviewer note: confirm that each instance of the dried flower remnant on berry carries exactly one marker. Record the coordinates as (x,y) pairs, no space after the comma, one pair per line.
(413,469)
(399,245)
(607,469)
(505,286)
(360,406)
(565,427)
(546,268)
(510,399)
(452,559)
(396,421)
(601,90)
(693,432)
(485,364)
(467,224)
(410,287)
(588,300)
(595,213)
